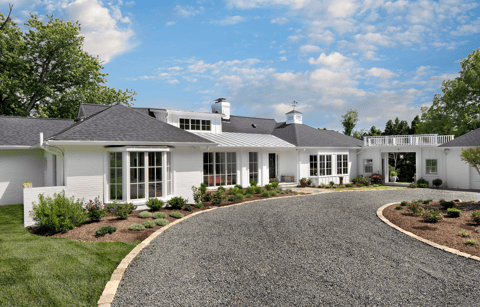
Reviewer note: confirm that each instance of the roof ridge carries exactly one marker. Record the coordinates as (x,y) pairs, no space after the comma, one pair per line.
(42,118)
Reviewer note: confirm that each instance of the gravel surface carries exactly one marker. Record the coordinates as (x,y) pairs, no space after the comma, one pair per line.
(327,249)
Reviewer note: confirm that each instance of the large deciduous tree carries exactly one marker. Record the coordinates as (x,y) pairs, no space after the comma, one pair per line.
(350,120)
(457,110)
(45,72)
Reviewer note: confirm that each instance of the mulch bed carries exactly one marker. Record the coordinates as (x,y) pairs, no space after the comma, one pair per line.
(86,232)
(445,232)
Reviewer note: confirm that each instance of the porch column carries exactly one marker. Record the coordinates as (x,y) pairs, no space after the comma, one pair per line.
(418,164)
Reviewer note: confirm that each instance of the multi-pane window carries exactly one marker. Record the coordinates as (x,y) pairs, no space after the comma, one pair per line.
(313,165)
(342,164)
(219,168)
(325,168)
(253,166)
(137,175)
(231,168)
(195,124)
(169,173)
(116,177)
(155,174)
(432,167)
(368,165)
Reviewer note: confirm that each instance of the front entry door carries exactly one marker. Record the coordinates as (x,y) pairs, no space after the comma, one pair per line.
(272,166)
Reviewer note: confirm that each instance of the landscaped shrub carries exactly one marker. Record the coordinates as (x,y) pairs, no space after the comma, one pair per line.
(199,205)
(437,182)
(149,223)
(159,215)
(309,182)
(376,178)
(188,207)
(403,203)
(154,204)
(203,188)
(273,193)
(359,184)
(103,230)
(268,187)
(138,227)
(422,183)
(219,194)
(288,191)
(476,217)
(427,201)
(250,190)
(217,200)
(413,185)
(222,189)
(258,190)
(399,207)
(238,187)
(354,180)
(177,202)
(249,195)
(176,215)
(363,180)
(341,186)
(331,183)
(95,209)
(348,185)
(303,182)
(454,212)
(416,207)
(145,214)
(265,194)
(207,197)
(58,213)
(197,194)
(161,222)
(447,204)
(334,186)
(123,211)
(432,216)
(232,198)
(275,184)
(471,242)
(253,183)
(464,233)
(239,196)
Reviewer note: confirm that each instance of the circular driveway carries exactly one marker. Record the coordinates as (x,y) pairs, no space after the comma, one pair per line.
(326,249)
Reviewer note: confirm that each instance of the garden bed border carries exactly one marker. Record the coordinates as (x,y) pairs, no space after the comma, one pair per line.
(408,233)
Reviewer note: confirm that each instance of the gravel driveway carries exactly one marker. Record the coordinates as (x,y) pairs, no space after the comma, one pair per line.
(326,249)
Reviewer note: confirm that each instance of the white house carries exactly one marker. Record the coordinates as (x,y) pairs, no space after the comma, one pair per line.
(131,154)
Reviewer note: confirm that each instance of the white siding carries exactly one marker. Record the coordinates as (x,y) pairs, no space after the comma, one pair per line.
(457,175)
(474,179)
(30,197)
(17,167)
(187,166)
(304,158)
(287,164)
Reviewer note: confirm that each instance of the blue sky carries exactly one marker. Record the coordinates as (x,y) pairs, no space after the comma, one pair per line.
(382,58)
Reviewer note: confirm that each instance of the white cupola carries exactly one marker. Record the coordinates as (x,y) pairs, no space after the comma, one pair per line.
(222,106)
(294,117)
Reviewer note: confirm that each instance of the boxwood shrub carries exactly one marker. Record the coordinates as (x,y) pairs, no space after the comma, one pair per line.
(188,207)
(454,212)
(250,190)
(154,204)
(275,184)
(207,197)
(258,190)
(122,211)
(178,202)
(265,194)
(232,198)
(249,196)
(103,230)
(199,205)
(273,193)
(447,204)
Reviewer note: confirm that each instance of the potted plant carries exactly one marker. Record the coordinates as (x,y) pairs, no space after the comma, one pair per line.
(393,176)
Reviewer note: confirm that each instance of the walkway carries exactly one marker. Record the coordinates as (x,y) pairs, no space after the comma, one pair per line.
(326,249)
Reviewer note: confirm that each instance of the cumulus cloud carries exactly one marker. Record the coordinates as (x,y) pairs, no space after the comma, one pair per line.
(187,11)
(381,73)
(309,49)
(103,36)
(333,60)
(279,20)
(229,20)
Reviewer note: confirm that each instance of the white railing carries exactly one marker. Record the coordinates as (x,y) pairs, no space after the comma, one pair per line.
(407,140)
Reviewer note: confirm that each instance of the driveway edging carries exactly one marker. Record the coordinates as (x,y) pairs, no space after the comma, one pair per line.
(112,285)
(408,233)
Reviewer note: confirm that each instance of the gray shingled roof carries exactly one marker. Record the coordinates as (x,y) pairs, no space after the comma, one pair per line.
(305,136)
(121,123)
(242,124)
(25,131)
(470,139)
(88,109)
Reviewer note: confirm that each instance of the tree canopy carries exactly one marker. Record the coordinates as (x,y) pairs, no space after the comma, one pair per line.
(350,119)
(457,110)
(472,157)
(45,72)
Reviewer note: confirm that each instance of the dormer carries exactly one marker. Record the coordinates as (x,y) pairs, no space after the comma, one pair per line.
(294,117)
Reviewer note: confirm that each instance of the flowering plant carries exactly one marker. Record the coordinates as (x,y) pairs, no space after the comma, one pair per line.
(95,209)
(376,178)
(476,217)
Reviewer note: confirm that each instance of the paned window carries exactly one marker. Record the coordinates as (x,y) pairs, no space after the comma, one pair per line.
(137,175)
(313,165)
(195,124)
(253,166)
(116,176)
(219,168)
(342,164)
(185,123)
(432,167)
(325,168)
(206,125)
(368,165)
(155,176)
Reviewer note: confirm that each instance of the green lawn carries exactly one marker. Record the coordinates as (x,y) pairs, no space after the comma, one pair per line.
(47,271)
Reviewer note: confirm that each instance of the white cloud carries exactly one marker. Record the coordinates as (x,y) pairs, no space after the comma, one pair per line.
(173,81)
(248,4)
(342,8)
(283,58)
(309,49)
(103,37)
(187,11)
(170,23)
(295,38)
(381,73)
(279,20)
(333,60)
(229,20)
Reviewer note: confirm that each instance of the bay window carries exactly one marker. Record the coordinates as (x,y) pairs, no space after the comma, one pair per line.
(325,167)
(155,174)
(116,176)
(219,168)
(313,165)
(137,175)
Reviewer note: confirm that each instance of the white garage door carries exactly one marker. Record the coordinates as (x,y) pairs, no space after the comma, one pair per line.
(17,167)
(474,179)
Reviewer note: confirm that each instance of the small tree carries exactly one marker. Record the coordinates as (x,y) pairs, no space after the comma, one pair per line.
(472,157)
(350,120)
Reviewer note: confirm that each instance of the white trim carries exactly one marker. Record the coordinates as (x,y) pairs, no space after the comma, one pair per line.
(16,147)
(126,143)
(136,149)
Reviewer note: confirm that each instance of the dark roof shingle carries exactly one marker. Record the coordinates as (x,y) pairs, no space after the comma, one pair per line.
(15,131)
(469,139)
(242,124)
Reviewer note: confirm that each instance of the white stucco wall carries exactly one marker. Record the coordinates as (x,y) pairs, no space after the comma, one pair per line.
(17,167)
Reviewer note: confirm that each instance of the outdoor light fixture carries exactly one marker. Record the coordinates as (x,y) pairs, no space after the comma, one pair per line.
(401,156)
